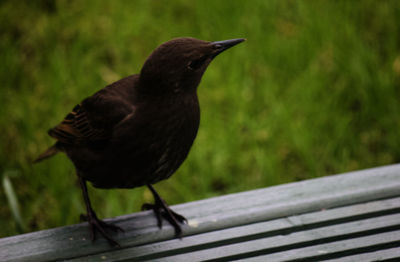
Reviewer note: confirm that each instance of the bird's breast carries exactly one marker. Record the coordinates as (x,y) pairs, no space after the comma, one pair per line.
(154,143)
(178,137)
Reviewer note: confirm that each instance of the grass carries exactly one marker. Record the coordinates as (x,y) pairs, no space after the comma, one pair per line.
(314,91)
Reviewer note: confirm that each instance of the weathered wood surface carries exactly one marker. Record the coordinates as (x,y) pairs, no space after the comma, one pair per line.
(348,217)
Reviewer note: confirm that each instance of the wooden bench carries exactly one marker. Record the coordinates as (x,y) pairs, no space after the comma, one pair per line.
(348,217)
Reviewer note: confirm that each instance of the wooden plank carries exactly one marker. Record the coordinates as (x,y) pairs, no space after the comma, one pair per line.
(289,225)
(380,255)
(286,245)
(211,214)
(320,252)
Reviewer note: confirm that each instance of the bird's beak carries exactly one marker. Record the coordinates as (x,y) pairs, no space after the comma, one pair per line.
(221,46)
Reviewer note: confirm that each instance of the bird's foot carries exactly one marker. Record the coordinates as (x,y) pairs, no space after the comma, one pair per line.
(99,225)
(161,208)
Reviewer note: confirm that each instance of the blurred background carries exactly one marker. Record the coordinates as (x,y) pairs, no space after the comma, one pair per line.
(314,91)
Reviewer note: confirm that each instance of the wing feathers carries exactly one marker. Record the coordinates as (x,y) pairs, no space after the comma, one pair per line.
(95,118)
(76,129)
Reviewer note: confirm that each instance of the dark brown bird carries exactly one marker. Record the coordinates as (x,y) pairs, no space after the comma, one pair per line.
(138,130)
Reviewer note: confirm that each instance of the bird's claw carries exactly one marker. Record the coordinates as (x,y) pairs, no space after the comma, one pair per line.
(161,209)
(99,225)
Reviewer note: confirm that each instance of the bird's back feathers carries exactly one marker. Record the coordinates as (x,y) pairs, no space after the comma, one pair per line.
(94,119)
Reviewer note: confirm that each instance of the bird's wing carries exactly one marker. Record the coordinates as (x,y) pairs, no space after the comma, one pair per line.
(77,128)
(93,120)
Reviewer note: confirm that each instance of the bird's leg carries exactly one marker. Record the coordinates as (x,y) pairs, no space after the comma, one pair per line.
(161,208)
(91,217)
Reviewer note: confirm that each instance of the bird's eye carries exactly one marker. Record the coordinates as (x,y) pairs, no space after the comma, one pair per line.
(196,64)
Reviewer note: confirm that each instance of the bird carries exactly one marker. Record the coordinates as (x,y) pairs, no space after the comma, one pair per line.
(138,131)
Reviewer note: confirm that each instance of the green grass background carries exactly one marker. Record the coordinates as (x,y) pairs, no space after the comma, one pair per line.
(314,91)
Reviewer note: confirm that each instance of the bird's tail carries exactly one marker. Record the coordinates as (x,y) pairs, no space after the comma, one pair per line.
(51,151)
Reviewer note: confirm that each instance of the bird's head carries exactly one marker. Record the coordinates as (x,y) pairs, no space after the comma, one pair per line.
(177,66)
